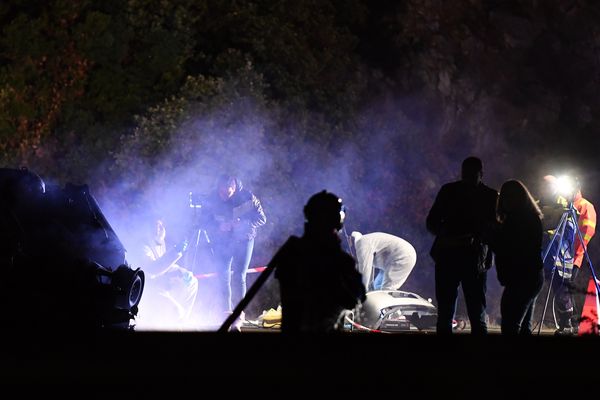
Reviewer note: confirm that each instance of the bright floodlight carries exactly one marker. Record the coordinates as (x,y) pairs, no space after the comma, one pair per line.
(564,186)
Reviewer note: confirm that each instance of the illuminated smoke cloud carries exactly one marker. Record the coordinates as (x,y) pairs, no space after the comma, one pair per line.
(386,165)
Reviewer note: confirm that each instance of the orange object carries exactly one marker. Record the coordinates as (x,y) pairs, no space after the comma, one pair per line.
(589,314)
(587,226)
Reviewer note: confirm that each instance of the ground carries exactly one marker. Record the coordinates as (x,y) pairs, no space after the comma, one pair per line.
(272,364)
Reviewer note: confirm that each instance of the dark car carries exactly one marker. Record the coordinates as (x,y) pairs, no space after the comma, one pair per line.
(62,266)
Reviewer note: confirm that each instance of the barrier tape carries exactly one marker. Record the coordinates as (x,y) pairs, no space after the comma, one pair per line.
(211,274)
(362,327)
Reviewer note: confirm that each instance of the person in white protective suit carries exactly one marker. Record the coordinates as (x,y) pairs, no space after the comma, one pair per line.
(384,260)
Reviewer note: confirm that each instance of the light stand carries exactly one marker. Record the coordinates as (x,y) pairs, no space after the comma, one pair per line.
(569,215)
(198,232)
(349,242)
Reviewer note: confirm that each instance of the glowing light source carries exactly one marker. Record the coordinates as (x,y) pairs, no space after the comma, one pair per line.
(565,186)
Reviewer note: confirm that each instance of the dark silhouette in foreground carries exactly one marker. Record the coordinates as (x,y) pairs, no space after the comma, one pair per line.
(458,218)
(517,245)
(62,266)
(317,278)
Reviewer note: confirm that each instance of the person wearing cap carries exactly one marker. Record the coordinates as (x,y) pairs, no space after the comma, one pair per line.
(384,260)
(318,280)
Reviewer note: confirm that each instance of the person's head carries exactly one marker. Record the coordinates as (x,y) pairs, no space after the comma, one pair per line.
(515,198)
(472,170)
(324,212)
(227,185)
(155,231)
(548,189)
(549,180)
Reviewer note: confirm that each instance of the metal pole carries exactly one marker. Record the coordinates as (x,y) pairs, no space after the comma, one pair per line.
(262,278)
(195,251)
(560,228)
(349,240)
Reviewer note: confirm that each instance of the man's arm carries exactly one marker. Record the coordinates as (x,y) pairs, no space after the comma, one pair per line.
(251,211)
(491,216)
(157,265)
(435,217)
(259,218)
(486,230)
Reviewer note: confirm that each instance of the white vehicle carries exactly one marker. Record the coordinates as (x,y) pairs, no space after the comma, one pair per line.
(393,311)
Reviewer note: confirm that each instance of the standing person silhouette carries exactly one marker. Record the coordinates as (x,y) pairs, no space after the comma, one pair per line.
(231,215)
(318,279)
(517,246)
(459,217)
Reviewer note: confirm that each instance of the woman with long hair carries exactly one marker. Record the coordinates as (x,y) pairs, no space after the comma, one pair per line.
(518,250)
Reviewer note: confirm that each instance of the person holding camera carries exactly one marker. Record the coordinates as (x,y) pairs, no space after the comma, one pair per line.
(231,216)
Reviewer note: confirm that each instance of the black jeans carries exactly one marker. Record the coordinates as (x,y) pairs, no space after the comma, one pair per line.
(518,300)
(563,289)
(570,296)
(448,277)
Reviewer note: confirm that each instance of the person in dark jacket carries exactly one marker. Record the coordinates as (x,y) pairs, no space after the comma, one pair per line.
(318,279)
(231,216)
(518,251)
(459,217)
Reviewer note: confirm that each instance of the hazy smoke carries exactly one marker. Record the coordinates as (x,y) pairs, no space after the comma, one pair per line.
(387,165)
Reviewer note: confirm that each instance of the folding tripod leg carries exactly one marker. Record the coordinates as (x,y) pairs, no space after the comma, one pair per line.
(193,266)
(547,298)
(560,230)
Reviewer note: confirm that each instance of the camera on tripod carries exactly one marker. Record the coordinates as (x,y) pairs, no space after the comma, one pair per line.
(198,237)
(194,201)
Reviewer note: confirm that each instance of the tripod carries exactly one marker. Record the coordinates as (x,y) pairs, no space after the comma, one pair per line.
(563,255)
(199,234)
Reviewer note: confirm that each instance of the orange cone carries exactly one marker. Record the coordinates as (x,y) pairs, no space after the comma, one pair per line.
(589,314)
